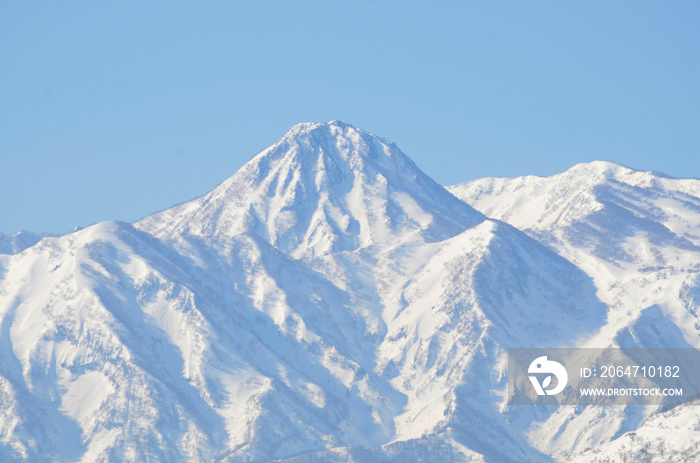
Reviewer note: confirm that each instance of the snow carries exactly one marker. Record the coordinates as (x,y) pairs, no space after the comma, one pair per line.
(635,234)
(14,244)
(331,302)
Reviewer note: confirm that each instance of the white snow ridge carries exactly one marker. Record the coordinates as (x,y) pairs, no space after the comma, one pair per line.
(330,302)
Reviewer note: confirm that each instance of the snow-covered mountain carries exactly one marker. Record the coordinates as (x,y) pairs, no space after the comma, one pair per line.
(637,235)
(322,188)
(331,302)
(12,244)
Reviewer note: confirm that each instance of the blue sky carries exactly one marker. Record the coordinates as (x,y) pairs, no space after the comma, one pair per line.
(113,110)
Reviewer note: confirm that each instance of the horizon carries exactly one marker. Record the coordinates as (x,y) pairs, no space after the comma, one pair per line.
(331,122)
(82,226)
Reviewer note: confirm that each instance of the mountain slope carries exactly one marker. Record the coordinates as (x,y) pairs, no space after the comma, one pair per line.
(322,188)
(594,205)
(329,302)
(12,244)
(637,235)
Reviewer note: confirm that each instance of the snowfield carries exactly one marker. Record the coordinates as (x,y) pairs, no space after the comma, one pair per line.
(331,302)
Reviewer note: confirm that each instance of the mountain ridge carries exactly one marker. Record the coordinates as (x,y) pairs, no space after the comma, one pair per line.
(328,302)
(353,177)
(636,235)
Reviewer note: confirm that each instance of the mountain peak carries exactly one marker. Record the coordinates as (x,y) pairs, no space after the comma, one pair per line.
(322,187)
(310,126)
(349,140)
(592,174)
(598,205)
(600,169)
(339,123)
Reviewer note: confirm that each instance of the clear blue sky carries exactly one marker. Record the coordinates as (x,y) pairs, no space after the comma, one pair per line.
(113,110)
